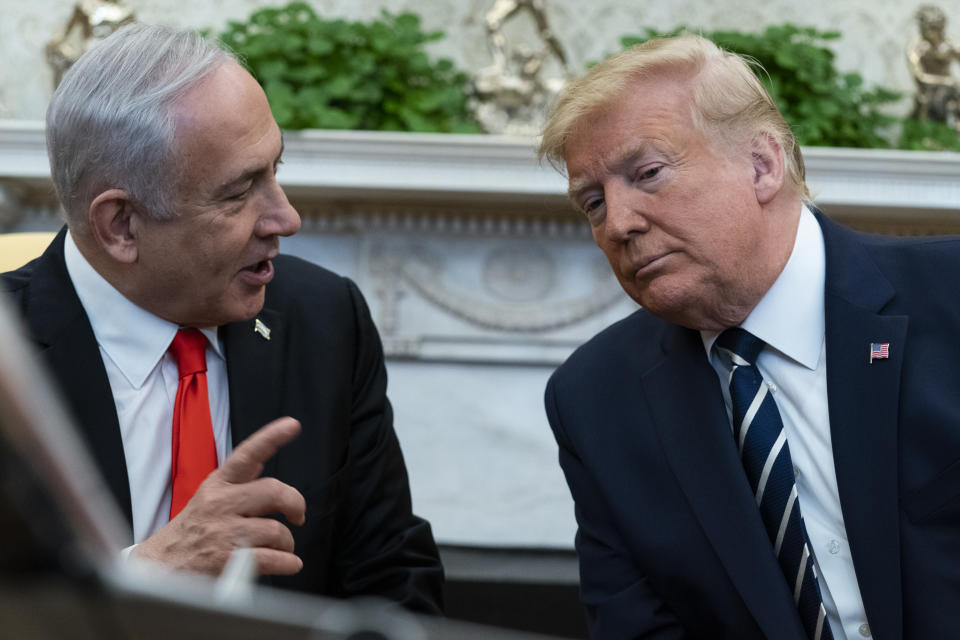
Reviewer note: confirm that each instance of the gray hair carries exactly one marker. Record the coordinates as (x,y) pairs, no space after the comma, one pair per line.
(729,101)
(111,122)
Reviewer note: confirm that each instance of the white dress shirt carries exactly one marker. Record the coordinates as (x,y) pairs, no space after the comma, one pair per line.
(143,377)
(790,320)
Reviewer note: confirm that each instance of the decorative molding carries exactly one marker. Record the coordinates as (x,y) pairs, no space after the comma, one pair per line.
(11,204)
(329,166)
(884,179)
(426,218)
(23,151)
(519,276)
(448,166)
(425,275)
(424,272)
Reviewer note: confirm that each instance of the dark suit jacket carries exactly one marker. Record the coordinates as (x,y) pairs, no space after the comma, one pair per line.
(670,540)
(322,365)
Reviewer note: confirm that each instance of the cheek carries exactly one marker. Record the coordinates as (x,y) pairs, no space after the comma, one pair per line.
(168,258)
(610,249)
(734,258)
(218,257)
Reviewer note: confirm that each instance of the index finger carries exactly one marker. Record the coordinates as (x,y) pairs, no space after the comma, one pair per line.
(246,461)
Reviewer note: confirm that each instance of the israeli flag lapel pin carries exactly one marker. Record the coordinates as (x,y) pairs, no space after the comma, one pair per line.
(262,329)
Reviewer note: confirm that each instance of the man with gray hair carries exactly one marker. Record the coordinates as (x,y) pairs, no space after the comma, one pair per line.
(175,330)
(769,448)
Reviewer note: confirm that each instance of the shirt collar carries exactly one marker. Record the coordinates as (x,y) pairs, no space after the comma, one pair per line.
(132,337)
(790,316)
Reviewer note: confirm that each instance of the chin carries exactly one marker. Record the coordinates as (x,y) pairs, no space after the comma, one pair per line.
(672,307)
(242,310)
(249,313)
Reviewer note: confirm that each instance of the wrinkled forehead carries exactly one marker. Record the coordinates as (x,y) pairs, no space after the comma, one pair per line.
(227,103)
(219,96)
(640,112)
(644,91)
(225,125)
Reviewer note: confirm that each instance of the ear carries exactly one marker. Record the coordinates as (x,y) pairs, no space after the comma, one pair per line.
(768,167)
(112,223)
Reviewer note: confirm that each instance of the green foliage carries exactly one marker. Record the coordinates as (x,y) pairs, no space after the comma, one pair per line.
(823,106)
(923,135)
(335,74)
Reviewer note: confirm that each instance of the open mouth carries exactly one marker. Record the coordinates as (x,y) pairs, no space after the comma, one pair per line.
(258,273)
(259,268)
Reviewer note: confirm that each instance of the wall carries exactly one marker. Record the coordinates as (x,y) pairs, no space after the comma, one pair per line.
(875,32)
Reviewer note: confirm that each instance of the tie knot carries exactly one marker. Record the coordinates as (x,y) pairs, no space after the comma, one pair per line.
(189,349)
(741,343)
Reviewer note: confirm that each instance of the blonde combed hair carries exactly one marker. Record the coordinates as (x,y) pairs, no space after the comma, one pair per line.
(730,104)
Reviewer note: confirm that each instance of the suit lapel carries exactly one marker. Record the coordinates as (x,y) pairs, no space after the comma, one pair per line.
(60,327)
(698,442)
(255,374)
(864,403)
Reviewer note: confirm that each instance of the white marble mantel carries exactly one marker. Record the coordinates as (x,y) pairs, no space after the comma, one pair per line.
(481,280)
(444,166)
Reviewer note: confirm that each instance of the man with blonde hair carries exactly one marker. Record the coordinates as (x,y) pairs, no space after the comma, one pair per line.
(769,447)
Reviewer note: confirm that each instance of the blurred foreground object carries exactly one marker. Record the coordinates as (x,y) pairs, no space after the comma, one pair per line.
(91,22)
(60,533)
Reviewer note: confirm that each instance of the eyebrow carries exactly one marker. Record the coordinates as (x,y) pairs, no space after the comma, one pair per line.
(628,157)
(577,187)
(248,175)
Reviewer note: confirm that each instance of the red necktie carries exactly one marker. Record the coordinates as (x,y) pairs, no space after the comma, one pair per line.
(194,453)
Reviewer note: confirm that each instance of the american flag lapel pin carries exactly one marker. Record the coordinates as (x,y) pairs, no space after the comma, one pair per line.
(879,351)
(262,329)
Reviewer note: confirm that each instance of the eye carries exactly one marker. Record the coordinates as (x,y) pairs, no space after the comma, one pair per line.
(241,195)
(591,204)
(595,211)
(649,173)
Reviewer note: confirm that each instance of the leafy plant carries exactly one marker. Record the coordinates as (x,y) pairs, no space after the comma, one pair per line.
(924,135)
(823,106)
(335,74)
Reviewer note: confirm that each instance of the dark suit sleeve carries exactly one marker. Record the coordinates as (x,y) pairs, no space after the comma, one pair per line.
(619,601)
(386,549)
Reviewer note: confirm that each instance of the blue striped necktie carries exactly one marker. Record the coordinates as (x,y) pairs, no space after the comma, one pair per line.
(762,442)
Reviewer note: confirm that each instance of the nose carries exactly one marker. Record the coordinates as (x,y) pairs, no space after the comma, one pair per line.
(625,215)
(279,217)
